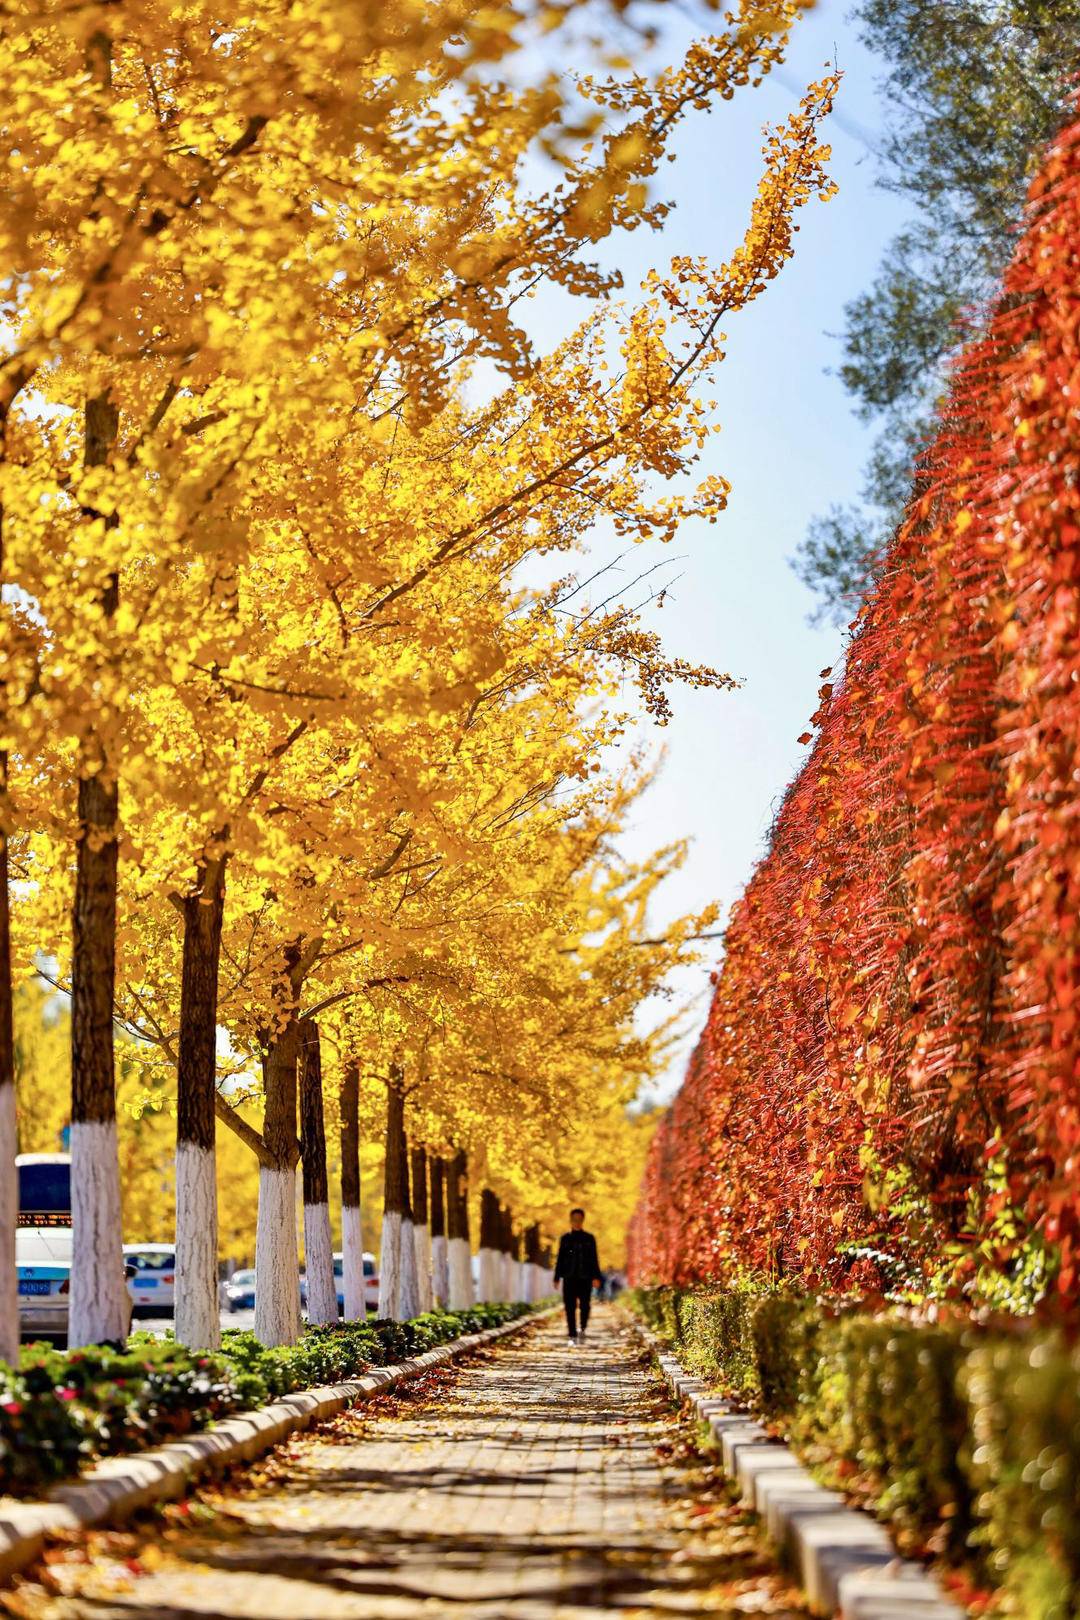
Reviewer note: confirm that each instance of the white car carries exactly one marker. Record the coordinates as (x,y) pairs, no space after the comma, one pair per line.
(371,1282)
(152,1276)
(43,1245)
(43,1268)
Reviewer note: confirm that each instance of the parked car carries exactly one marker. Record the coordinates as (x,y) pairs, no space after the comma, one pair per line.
(152,1285)
(371,1283)
(43,1245)
(240,1290)
(43,1268)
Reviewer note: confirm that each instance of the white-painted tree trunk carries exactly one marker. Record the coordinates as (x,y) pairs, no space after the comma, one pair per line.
(9,1211)
(352,1244)
(390,1266)
(521,1284)
(487,1282)
(322,1306)
(198,1314)
(440,1273)
(461,1287)
(422,1236)
(508,1290)
(409,1294)
(100,1308)
(277,1266)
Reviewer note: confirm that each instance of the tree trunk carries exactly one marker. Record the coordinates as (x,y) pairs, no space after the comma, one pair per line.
(98,1292)
(352,1237)
(277,1266)
(457,1227)
(421,1229)
(440,1265)
(488,1289)
(395,1193)
(509,1270)
(9,1181)
(504,1254)
(99,1300)
(533,1290)
(198,1317)
(409,1295)
(322,1302)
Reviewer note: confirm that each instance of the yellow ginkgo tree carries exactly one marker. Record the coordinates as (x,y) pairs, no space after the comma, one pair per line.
(281,725)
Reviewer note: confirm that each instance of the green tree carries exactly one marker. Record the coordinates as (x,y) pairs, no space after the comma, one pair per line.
(974,88)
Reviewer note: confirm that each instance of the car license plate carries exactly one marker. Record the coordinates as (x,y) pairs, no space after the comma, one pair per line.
(28,1287)
(146,1282)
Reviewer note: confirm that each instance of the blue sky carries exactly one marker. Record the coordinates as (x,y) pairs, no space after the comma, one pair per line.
(790,447)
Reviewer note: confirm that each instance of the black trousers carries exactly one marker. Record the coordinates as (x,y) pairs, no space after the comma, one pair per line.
(577,1295)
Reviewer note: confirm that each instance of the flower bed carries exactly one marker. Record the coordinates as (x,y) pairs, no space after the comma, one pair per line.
(965,1436)
(63,1409)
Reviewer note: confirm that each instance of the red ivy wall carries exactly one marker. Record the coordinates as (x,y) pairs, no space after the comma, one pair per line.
(889,1078)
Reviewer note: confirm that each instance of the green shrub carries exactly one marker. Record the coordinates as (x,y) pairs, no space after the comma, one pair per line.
(965,1436)
(1024,1398)
(62,1409)
(784,1330)
(893,1410)
(711,1329)
(719,1339)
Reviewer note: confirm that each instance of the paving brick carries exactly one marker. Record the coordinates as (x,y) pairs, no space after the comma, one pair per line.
(906,1594)
(761,1466)
(734,1434)
(833,1543)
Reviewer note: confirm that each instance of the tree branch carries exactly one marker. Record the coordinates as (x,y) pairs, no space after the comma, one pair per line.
(240,1127)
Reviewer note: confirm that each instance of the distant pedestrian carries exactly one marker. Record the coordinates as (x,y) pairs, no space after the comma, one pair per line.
(577,1268)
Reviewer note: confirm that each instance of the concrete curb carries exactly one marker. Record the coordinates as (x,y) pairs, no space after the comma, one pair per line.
(845,1560)
(117,1487)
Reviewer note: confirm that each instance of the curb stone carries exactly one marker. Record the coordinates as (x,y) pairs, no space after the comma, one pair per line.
(845,1560)
(117,1487)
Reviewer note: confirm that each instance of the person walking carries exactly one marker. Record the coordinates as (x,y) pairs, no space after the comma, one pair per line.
(577,1268)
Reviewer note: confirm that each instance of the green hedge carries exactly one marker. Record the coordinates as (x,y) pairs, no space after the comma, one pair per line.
(63,1409)
(964,1436)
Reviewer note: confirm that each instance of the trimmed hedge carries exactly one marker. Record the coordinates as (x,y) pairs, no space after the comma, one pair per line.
(964,1436)
(62,1409)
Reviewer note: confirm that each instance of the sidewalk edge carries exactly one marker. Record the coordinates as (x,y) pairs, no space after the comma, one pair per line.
(845,1560)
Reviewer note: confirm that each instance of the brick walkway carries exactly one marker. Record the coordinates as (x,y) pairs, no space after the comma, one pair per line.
(527,1485)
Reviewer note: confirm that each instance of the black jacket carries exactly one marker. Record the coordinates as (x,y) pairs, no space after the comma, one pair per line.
(578,1260)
